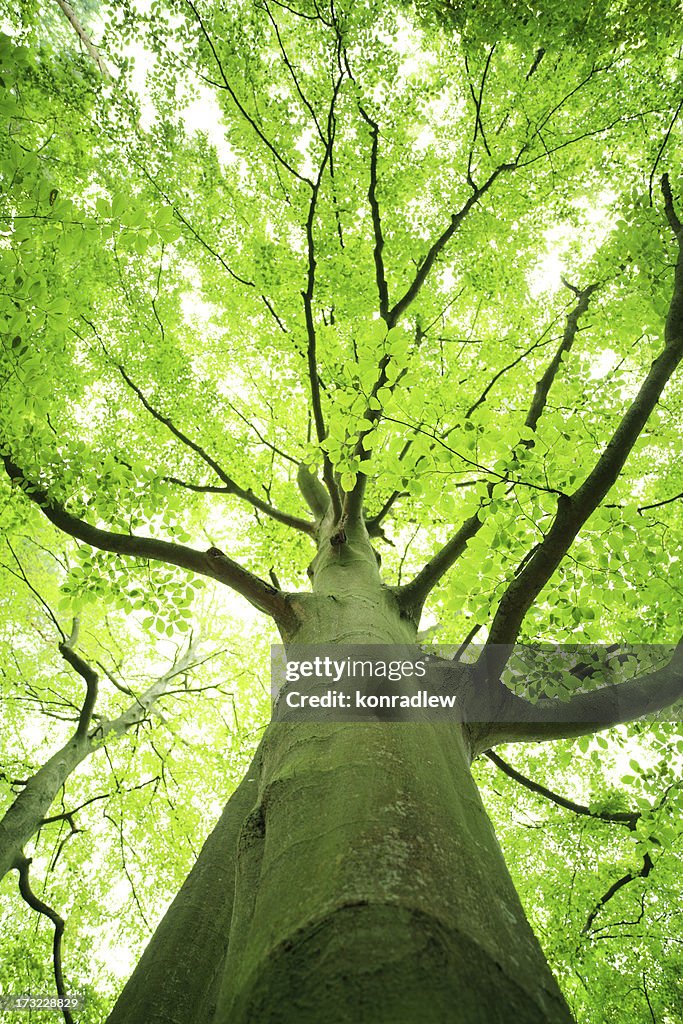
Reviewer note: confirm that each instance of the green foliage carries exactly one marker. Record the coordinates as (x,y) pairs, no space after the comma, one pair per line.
(153,255)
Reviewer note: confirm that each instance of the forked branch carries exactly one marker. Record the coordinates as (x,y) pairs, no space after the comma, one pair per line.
(230,486)
(440,243)
(574,510)
(414,594)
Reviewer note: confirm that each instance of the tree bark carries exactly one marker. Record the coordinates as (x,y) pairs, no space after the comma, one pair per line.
(358,880)
(24,816)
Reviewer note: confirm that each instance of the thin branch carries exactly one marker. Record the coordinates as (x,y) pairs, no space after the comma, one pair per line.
(353,501)
(380,276)
(247,117)
(292,72)
(628,818)
(478,124)
(440,243)
(21,575)
(647,999)
(230,486)
(195,234)
(374,523)
(663,147)
(630,876)
(264,441)
(22,864)
(510,366)
(658,504)
(68,815)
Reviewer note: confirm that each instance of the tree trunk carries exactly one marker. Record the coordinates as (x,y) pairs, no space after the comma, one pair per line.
(356,878)
(25,815)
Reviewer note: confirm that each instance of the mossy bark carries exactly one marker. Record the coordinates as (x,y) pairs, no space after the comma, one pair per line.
(357,878)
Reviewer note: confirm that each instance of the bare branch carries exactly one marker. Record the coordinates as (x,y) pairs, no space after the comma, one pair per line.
(69,815)
(292,72)
(195,234)
(658,504)
(509,366)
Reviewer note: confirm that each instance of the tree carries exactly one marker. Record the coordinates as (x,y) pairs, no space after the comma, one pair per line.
(322,327)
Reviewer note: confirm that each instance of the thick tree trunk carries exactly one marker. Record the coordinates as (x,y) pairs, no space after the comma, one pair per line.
(355,879)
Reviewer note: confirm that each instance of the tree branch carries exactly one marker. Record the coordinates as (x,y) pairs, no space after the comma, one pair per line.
(22,864)
(545,383)
(574,510)
(374,523)
(380,277)
(313,492)
(628,818)
(509,366)
(478,124)
(615,887)
(230,485)
(440,243)
(414,594)
(307,295)
(585,713)
(231,92)
(91,680)
(90,47)
(212,563)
